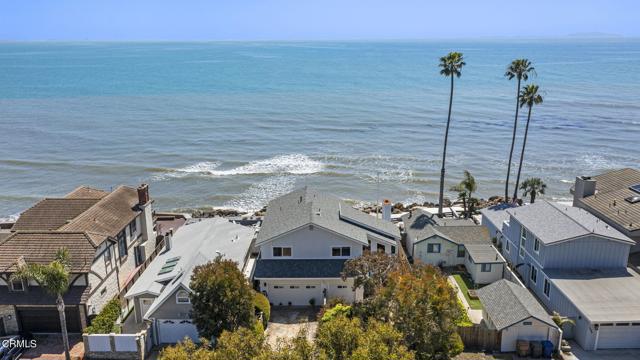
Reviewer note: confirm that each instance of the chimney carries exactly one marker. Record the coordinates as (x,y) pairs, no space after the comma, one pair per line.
(386,210)
(585,186)
(168,238)
(143,194)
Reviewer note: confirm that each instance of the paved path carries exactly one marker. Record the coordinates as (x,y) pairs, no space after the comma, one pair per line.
(622,354)
(474,315)
(286,323)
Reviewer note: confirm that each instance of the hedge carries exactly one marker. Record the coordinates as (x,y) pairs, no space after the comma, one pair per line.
(261,303)
(105,321)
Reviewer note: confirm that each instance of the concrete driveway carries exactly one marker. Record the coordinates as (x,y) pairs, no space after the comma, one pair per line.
(287,322)
(49,347)
(622,354)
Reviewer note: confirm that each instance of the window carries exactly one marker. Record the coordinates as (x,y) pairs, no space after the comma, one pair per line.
(294,287)
(278,287)
(122,244)
(527,323)
(17,285)
(547,287)
(281,251)
(107,254)
(381,248)
(460,251)
(341,251)
(485,268)
(433,248)
(506,245)
(310,286)
(133,227)
(393,249)
(342,286)
(523,241)
(182,297)
(534,275)
(536,245)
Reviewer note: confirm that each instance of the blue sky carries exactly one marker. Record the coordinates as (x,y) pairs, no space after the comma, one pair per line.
(310,19)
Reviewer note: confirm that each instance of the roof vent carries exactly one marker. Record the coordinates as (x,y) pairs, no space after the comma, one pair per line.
(633,199)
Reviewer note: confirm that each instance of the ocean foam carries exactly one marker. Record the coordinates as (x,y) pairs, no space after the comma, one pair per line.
(260,193)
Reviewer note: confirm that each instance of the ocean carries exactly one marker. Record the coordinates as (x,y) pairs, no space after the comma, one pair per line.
(237,123)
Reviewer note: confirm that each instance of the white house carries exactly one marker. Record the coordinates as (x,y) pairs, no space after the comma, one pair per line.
(161,294)
(305,238)
(517,315)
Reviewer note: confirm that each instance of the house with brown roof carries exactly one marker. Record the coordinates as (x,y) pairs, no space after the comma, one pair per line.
(109,235)
(613,197)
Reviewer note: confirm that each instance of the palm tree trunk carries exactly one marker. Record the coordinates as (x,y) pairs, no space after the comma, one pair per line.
(444,152)
(464,205)
(524,145)
(63,327)
(513,142)
(533,196)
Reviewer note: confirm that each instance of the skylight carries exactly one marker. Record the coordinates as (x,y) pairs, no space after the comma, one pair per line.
(169,265)
(635,188)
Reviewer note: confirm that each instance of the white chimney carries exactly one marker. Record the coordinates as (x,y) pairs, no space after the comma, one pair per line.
(585,186)
(386,210)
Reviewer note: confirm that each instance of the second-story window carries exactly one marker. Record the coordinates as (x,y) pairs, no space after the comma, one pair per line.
(133,227)
(122,244)
(534,275)
(341,251)
(547,287)
(460,251)
(281,251)
(17,285)
(523,241)
(536,245)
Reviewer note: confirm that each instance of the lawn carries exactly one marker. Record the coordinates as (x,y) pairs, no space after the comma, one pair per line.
(464,283)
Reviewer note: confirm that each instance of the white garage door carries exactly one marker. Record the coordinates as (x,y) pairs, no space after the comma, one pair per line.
(296,294)
(170,331)
(619,337)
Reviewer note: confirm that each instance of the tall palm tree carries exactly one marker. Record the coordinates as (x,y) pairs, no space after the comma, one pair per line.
(54,279)
(465,189)
(519,69)
(533,187)
(451,66)
(528,97)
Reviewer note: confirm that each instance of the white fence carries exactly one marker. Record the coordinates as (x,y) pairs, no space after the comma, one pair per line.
(117,346)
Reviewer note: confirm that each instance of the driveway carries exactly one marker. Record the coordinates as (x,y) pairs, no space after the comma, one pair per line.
(287,322)
(622,354)
(49,347)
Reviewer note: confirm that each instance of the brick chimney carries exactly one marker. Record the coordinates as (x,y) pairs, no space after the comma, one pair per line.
(143,194)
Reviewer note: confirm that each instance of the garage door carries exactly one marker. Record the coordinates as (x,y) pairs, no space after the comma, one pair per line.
(170,331)
(619,337)
(47,320)
(296,294)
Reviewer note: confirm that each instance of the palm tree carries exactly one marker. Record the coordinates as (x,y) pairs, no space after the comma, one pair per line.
(519,69)
(528,97)
(465,189)
(533,187)
(54,279)
(451,65)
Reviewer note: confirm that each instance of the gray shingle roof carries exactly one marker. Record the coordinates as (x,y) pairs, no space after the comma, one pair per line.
(552,222)
(313,269)
(507,303)
(496,214)
(418,223)
(308,206)
(484,254)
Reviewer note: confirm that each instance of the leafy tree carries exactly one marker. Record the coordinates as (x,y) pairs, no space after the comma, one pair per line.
(105,321)
(337,339)
(54,279)
(338,310)
(529,97)
(261,304)
(242,344)
(381,341)
(451,66)
(370,270)
(533,187)
(221,298)
(298,348)
(186,350)
(519,69)
(424,308)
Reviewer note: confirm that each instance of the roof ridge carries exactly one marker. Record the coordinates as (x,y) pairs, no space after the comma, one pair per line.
(571,217)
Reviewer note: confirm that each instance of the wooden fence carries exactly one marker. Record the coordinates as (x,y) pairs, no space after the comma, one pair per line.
(480,337)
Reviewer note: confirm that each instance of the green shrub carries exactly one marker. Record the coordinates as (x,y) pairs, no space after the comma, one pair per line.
(336,311)
(105,321)
(261,304)
(463,320)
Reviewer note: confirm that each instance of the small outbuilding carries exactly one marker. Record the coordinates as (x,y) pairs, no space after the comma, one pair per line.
(513,311)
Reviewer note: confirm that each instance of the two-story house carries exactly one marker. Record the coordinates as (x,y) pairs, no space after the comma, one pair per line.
(613,197)
(108,235)
(161,294)
(575,264)
(304,241)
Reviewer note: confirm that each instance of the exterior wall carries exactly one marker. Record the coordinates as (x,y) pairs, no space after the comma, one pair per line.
(591,252)
(479,277)
(537,331)
(137,307)
(495,230)
(10,325)
(306,243)
(448,254)
(103,279)
(387,245)
(172,310)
